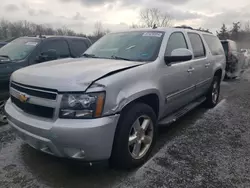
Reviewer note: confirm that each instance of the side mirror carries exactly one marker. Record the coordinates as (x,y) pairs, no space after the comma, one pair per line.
(243,50)
(178,55)
(48,56)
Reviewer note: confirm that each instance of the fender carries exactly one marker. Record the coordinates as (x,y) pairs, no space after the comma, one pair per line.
(132,92)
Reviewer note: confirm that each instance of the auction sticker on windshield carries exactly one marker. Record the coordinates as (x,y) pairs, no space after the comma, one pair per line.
(152,34)
(31,43)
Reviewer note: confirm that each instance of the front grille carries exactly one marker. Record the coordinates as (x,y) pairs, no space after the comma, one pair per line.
(35,91)
(33,109)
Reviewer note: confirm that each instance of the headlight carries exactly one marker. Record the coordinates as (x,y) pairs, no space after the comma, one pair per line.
(80,106)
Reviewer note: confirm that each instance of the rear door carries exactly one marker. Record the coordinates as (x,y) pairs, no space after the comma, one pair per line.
(201,63)
(216,52)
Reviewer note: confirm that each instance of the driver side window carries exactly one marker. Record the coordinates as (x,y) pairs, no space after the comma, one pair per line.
(175,41)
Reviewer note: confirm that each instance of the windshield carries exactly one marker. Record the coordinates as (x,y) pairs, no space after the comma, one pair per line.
(19,48)
(133,46)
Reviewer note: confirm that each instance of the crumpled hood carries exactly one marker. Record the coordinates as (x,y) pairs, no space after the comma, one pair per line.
(69,74)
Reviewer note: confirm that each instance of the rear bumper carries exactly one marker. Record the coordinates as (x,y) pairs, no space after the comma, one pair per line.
(88,140)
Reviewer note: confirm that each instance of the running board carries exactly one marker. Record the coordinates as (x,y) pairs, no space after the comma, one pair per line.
(173,117)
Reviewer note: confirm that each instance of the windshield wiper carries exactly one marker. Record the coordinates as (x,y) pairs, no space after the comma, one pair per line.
(5,56)
(89,55)
(121,58)
(126,59)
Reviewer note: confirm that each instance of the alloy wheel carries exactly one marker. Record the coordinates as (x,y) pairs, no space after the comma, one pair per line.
(140,137)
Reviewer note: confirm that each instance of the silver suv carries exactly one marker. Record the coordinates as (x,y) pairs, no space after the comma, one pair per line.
(108,103)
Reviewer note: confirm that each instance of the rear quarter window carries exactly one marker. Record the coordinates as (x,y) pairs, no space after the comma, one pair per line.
(214,44)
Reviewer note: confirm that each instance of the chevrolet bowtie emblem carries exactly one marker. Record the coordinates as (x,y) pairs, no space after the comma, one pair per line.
(23,97)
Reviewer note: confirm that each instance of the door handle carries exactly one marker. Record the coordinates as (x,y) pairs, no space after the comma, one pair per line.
(190,70)
(207,65)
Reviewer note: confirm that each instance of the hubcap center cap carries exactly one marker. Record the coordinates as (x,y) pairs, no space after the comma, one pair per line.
(140,134)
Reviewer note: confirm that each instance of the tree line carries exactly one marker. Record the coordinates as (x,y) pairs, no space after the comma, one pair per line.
(238,32)
(10,30)
(149,17)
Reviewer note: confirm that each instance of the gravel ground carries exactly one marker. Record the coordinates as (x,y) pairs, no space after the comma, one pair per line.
(212,152)
(206,148)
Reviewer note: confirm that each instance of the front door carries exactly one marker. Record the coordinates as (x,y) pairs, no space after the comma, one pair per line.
(178,81)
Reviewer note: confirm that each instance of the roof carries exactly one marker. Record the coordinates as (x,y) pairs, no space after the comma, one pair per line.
(166,29)
(55,36)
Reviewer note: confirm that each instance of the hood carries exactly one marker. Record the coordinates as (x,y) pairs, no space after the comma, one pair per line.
(69,74)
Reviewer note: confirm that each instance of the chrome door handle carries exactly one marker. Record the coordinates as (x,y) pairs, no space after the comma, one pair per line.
(207,65)
(190,70)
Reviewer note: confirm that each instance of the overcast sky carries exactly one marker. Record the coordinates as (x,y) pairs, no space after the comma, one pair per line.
(80,15)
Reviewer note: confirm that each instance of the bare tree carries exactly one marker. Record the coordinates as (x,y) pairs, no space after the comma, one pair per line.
(99,30)
(135,26)
(153,16)
(247,26)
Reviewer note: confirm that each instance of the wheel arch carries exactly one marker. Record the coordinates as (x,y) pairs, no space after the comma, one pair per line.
(219,73)
(151,99)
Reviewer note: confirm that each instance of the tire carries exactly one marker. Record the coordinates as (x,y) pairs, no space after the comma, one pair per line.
(124,155)
(213,93)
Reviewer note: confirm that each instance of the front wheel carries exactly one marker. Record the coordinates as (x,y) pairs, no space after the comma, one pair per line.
(135,136)
(213,93)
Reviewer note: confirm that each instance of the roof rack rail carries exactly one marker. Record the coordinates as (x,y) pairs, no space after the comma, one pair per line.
(188,27)
(154,26)
(184,27)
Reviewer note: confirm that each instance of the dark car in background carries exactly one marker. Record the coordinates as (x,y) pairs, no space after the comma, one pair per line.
(25,51)
(2,44)
(233,57)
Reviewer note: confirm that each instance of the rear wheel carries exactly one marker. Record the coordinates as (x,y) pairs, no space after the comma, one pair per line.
(135,136)
(213,93)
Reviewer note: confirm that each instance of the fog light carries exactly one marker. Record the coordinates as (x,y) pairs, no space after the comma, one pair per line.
(75,153)
(79,155)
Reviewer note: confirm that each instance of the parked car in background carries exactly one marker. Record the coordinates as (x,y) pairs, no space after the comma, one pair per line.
(234,58)
(25,51)
(2,44)
(108,104)
(246,55)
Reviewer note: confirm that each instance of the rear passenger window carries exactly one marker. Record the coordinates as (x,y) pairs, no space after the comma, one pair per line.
(61,47)
(79,46)
(175,41)
(197,45)
(214,44)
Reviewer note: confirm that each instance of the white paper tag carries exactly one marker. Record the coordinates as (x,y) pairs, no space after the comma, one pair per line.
(31,43)
(152,34)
